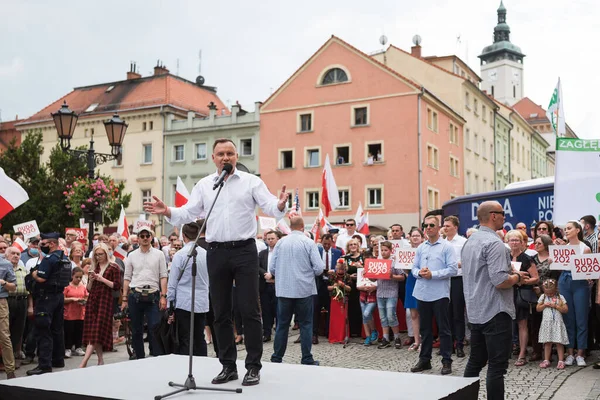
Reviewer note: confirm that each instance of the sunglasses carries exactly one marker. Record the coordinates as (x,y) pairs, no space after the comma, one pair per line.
(542,229)
(429,226)
(498,212)
(349,224)
(144,236)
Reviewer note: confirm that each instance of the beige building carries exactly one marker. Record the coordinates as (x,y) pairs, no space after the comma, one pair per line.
(147,104)
(188,144)
(457,85)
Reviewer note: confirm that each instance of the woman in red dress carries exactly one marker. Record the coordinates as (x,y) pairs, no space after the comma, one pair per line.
(339,287)
(104,278)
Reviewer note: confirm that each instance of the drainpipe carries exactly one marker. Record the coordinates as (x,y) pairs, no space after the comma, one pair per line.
(495,154)
(419,155)
(164,160)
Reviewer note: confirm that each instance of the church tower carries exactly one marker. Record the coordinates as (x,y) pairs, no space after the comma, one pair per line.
(502,64)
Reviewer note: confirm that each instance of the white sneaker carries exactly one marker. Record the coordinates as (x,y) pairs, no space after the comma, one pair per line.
(580,361)
(68,353)
(569,360)
(79,352)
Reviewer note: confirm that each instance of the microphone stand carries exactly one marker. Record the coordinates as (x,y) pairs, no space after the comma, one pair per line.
(190,382)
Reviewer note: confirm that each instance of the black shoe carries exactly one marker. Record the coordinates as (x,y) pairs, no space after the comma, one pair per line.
(39,371)
(421,366)
(384,344)
(446,368)
(315,339)
(266,339)
(398,342)
(27,361)
(226,375)
(252,377)
(58,365)
(297,340)
(460,353)
(315,363)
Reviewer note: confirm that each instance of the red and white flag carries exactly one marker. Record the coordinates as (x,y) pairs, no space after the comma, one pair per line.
(330,197)
(120,253)
(12,195)
(122,226)
(319,225)
(181,194)
(362,220)
(19,244)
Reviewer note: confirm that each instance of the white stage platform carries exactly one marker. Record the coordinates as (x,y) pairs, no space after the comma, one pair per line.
(144,379)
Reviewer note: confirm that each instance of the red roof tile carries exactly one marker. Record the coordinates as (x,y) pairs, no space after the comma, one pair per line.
(132,94)
(527,108)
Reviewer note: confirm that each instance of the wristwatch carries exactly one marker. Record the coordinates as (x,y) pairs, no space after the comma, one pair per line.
(163,295)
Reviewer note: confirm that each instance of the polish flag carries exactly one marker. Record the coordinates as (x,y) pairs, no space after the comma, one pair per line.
(181,193)
(318,226)
(120,253)
(362,220)
(12,195)
(122,226)
(19,244)
(330,197)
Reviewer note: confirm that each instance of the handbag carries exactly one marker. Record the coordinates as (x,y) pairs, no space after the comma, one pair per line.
(526,298)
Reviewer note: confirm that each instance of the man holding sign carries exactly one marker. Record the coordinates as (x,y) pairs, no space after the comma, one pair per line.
(435,263)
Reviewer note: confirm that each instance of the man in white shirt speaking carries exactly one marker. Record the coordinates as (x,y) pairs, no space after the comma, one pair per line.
(232,255)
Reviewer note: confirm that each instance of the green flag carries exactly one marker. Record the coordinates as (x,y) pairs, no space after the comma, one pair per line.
(556,113)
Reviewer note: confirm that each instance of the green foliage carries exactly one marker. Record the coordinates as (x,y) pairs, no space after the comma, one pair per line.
(45,184)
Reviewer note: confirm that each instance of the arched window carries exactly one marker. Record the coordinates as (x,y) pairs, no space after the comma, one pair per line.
(334,75)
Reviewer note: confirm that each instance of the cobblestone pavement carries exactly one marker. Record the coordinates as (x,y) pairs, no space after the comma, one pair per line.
(527,382)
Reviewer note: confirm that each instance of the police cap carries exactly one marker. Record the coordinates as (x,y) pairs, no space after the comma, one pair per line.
(51,235)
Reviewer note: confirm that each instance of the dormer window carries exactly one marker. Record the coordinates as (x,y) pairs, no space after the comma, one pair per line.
(334,75)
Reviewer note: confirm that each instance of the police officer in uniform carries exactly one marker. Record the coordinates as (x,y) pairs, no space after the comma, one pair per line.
(47,292)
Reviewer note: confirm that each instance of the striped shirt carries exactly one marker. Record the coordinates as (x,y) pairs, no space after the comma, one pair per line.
(295,263)
(20,275)
(593,240)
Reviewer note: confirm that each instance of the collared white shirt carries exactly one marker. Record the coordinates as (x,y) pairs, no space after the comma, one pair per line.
(234,214)
(457,243)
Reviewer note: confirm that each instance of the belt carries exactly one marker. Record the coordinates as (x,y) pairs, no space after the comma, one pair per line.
(17,297)
(230,245)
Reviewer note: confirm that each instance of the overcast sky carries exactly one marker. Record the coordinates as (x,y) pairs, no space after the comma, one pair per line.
(249,48)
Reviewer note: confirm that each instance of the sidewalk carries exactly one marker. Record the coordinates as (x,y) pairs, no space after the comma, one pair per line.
(582,385)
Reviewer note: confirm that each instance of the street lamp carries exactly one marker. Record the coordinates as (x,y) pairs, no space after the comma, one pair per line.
(65,121)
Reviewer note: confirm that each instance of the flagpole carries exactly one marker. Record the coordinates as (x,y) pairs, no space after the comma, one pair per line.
(558,99)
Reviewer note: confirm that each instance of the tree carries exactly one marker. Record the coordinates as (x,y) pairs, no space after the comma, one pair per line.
(45,184)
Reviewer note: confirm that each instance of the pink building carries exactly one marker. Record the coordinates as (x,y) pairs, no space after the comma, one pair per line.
(393,145)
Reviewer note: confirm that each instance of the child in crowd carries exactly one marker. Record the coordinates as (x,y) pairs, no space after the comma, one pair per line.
(368,302)
(75,298)
(552,329)
(339,287)
(387,300)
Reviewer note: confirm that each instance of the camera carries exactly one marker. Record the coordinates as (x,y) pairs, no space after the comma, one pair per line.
(119,315)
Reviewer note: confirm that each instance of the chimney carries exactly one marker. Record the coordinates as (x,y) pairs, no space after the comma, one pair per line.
(190,118)
(235,109)
(212,111)
(257,105)
(416,51)
(132,74)
(160,69)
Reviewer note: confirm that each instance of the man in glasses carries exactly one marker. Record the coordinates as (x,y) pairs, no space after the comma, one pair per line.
(488,281)
(145,290)
(344,237)
(434,265)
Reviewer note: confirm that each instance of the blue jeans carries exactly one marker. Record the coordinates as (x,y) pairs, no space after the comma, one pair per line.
(137,310)
(367,311)
(491,345)
(577,296)
(303,308)
(387,311)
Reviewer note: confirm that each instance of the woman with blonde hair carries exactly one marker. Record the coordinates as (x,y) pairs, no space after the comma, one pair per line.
(104,278)
(517,245)
(76,254)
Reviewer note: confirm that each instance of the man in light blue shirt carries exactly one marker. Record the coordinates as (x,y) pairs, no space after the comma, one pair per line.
(435,263)
(294,265)
(179,292)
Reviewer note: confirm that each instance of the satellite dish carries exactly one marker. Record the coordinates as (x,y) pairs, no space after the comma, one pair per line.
(200,80)
(383,40)
(417,40)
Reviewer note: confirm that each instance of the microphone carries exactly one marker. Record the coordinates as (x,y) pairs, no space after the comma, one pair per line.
(227,168)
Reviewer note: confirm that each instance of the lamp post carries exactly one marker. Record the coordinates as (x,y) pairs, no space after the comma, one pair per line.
(65,121)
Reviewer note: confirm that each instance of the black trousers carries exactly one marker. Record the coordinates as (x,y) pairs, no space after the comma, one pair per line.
(237,314)
(491,345)
(48,319)
(268,305)
(17,316)
(73,333)
(321,300)
(182,318)
(210,322)
(439,309)
(457,311)
(225,266)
